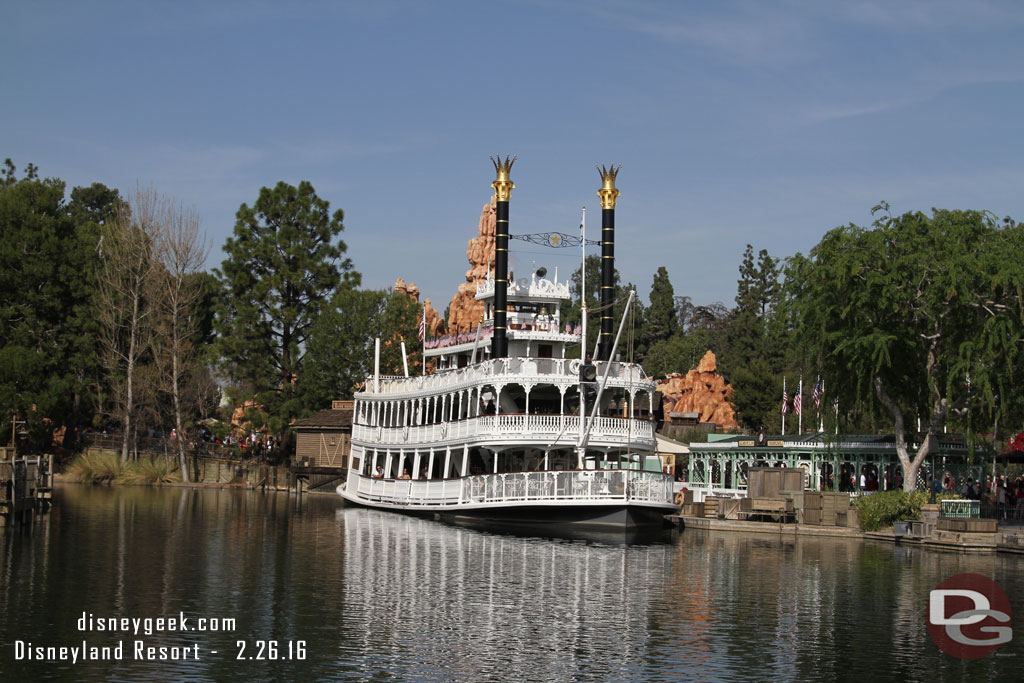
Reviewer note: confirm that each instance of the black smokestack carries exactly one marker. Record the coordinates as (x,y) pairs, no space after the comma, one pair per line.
(503,187)
(608,195)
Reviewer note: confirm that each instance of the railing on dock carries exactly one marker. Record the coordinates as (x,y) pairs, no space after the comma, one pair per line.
(520,487)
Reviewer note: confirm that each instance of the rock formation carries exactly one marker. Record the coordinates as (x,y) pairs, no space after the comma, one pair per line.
(701,391)
(434,323)
(465,311)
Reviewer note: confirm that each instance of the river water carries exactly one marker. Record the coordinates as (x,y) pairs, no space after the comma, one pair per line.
(355,594)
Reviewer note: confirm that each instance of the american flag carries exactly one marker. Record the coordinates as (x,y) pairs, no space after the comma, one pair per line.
(797,400)
(423,323)
(785,397)
(818,391)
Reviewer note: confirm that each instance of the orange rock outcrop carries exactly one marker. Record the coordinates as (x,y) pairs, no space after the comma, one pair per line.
(434,323)
(465,311)
(701,391)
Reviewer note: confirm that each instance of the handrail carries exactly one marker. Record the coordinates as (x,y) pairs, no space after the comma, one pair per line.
(609,485)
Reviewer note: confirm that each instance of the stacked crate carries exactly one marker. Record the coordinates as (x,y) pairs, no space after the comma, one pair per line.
(812,507)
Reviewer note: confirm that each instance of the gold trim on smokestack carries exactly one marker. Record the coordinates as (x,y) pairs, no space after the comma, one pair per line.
(608,193)
(503,185)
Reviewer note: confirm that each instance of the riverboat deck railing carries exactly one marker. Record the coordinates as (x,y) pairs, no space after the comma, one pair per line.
(508,368)
(578,486)
(518,426)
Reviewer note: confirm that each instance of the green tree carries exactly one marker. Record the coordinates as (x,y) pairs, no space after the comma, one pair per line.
(753,359)
(341,347)
(920,315)
(47,314)
(284,263)
(573,313)
(661,319)
(679,353)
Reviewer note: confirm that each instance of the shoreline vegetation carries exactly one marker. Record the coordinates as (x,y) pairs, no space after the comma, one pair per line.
(107,467)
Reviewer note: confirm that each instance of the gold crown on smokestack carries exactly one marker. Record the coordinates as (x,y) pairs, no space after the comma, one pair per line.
(608,193)
(503,185)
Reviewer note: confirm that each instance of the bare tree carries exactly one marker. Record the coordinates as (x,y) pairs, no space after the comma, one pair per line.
(181,251)
(125,278)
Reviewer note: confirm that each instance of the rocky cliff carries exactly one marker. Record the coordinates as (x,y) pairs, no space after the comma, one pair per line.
(701,391)
(465,311)
(434,323)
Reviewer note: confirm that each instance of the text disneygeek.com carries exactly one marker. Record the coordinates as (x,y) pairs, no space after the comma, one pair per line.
(143,650)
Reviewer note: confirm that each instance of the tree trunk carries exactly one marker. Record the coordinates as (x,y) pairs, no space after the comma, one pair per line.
(176,392)
(911,468)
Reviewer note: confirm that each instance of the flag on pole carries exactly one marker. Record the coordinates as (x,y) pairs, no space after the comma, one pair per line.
(818,391)
(785,398)
(423,323)
(798,400)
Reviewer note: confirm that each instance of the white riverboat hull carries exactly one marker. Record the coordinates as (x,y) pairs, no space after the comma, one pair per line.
(538,502)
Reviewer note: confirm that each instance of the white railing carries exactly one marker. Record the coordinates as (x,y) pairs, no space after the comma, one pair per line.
(508,427)
(518,487)
(507,370)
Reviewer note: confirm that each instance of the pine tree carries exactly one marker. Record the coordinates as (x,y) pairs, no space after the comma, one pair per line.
(284,264)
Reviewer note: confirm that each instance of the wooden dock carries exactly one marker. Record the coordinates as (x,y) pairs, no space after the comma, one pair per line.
(26,485)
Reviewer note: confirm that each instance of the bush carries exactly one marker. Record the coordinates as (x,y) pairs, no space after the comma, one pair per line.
(883,509)
(97,467)
(106,467)
(155,470)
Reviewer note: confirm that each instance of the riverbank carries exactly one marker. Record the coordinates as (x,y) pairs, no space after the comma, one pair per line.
(1007,539)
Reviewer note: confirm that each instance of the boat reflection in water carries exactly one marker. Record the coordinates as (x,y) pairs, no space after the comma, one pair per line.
(512,606)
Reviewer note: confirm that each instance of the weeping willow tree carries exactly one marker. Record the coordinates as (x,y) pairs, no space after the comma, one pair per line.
(919,315)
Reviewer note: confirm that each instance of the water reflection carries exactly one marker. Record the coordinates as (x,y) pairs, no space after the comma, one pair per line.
(377,595)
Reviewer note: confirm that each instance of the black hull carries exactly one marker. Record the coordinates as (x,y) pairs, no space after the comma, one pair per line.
(591,517)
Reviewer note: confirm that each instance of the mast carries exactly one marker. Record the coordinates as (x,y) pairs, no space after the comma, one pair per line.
(583,338)
(503,187)
(608,195)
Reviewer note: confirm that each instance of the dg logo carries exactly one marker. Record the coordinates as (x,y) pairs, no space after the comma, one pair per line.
(969,616)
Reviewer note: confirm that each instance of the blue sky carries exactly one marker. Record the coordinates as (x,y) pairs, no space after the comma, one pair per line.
(735,122)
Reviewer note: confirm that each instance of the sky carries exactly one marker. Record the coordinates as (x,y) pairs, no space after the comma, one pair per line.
(762,123)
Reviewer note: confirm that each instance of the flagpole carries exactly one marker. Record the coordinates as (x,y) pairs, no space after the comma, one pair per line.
(821,413)
(784,399)
(800,413)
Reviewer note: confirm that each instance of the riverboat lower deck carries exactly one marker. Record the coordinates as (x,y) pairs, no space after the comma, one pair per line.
(609,498)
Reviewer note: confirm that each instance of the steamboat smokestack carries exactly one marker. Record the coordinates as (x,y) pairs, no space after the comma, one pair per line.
(503,187)
(608,195)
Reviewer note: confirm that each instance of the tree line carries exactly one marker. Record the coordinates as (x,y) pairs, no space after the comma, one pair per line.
(108,319)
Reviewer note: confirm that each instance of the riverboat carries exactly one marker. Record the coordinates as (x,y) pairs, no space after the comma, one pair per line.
(509,431)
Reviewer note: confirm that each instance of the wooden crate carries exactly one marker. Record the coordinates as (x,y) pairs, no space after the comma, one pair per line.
(840,501)
(947,524)
(797,498)
(984,526)
(828,517)
(711,507)
(853,518)
(812,499)
(729,508)
(766,482)
(812,516)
